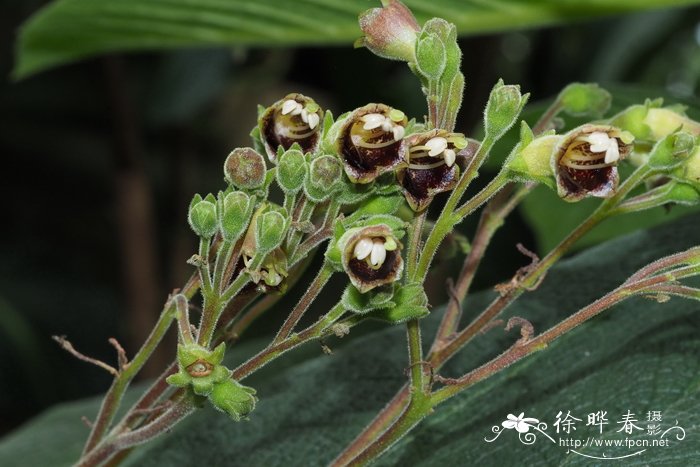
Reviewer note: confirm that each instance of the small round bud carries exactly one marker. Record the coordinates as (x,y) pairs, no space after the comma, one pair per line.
(236,212)
(245,169)
(671,151)
(503,108)
(324,178)
(202,217)
(585,99)
(291,171)
(270,230)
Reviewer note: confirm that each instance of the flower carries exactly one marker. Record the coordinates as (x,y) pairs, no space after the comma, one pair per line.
(390,32)
(294,119)
(521,425)
(430,165)
(369,141)
(371,256)
(585,161)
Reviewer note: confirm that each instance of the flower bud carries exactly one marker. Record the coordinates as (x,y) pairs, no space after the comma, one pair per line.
(200,368)
(431,164)
(585,99)
(371,256)
(236,210)
(431,57)
(294,119)
(324,178)
(233,398)
(202,217)
(369,140)
(390,31)
(585,161)
(503,108)
(291,171)
(410,301)
(245,169)
(271,228)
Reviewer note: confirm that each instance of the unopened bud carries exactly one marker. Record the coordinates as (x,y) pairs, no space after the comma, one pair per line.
(245,169)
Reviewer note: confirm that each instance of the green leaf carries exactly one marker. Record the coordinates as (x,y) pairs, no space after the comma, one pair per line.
(638,356)
(69,30)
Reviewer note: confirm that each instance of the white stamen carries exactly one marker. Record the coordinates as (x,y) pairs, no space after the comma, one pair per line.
(314,119)
(388,125)
(436,145)
(450,157)
(289,105)
(305,115)
(378,253)
(613,153)
(373,121)
(363,248)
(398,132)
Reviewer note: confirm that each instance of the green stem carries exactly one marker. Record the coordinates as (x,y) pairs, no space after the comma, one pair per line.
(449,218)
(204,277)
(295,236)
(113,398)
(223,256)
(273,351)
(304,302)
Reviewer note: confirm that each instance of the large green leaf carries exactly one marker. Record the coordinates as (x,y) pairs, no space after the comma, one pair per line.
(67,30)
(640,356)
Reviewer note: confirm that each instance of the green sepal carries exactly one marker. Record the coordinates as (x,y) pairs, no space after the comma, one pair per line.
(323,179)
(502,109)
(431,56)
(292,170)
(671,151)
(234,399)
(388,204)
(584,100)
(270,230)
(361,303)
(235,210)
(411,303)
(179,380)
(689,171)
(394,223)
(530,159)
(202,216)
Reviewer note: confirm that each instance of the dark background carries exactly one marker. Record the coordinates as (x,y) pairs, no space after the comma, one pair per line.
(100,159)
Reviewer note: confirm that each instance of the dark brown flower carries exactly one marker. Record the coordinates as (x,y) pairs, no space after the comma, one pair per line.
(585,162)
(371,256)
(431,164)
(294,119)
(369,141)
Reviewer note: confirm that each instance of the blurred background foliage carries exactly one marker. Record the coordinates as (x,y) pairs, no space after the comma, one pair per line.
(102,156)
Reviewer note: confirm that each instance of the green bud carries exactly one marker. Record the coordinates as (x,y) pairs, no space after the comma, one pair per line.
(271,228)
(233,398)
(431,57)
(324,178)
(236,210)
(585,99)
(245,169)
(663,122)
(671,151)
(291,171)
(202,217)
(503,108)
